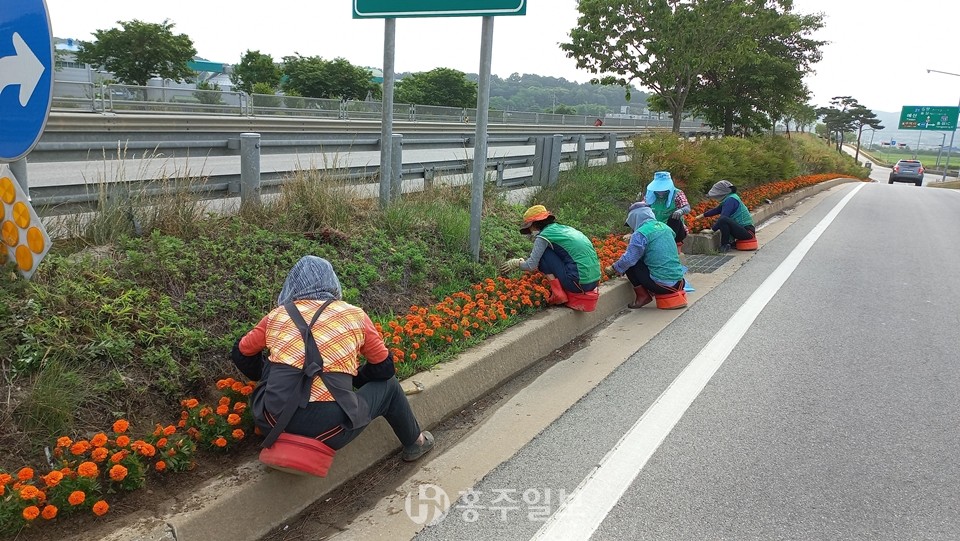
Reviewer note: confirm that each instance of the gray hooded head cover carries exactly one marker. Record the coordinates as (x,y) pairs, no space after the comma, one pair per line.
(638,214)
(720,189)
(312,278)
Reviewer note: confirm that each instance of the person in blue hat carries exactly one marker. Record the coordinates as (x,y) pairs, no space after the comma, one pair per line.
(669,203)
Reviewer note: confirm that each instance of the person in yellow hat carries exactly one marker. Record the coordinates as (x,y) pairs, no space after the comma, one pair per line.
(562,253)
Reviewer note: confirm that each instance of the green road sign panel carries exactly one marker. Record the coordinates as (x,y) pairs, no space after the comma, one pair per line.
(923,117)
(386,9)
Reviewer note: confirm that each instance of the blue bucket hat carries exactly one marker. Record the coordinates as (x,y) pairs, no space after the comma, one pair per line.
(662,182)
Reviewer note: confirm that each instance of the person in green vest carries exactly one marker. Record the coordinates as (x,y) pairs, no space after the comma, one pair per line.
(562,253)
(735,221)
(651,261)
(669,203)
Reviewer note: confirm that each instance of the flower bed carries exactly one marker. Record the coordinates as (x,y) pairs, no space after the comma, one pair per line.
(754,197)
(84,473)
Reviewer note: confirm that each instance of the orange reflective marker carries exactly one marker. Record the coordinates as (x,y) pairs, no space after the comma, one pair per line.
(24,258)
(7,192)
(10,233)
(35,240)
(21,214)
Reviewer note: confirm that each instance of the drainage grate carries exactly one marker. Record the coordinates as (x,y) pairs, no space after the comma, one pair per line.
(705,264)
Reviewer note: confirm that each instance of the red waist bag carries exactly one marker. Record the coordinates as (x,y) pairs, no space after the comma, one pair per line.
(298,454)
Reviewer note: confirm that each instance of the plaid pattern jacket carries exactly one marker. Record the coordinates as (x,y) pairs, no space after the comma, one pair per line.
(343,333)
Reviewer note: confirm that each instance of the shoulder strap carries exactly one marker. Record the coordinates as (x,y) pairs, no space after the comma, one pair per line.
(311,364)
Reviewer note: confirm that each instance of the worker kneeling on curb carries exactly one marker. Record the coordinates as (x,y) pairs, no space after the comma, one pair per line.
(305,401)
(735,221)
(565,255)
(650,262)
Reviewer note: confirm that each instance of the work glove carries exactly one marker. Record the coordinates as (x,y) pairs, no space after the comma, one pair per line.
(627,237)
(609,271)
(510,265)
(698,217)
(677,214)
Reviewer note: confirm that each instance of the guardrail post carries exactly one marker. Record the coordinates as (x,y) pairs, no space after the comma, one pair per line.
(343,110)
(396,169)
(412,113)
(582,151)
(612,149)
(19,170)
(249,168)
(540,161)
(428,175)
(556,151)
(500,168)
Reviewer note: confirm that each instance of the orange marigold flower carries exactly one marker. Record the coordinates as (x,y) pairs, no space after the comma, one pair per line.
(182,423)
(239,407)
(118,457)
(121,426)
(238,434)
(5,478)
(29,492)
(123,441)
(118,473)
(53,478)
(220,442)
(224,401)
(233,419)
(25,474)
(192,403)
(31,513)
(169,430)
(64,441)
(100,508)
(49,512)
(236,386)
(88,469)
(222,410)
(76,497)
(413,356)
(205,411)
(171,452)
(161,443)
(160,465)
(147,450)
(80,447)
(99,440)
(246,390)
(99,454)
(223,384)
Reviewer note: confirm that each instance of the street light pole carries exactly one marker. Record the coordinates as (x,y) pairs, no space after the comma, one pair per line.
(946,167)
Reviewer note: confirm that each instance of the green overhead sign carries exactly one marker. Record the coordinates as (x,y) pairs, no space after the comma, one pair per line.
(923,117)
(388,9)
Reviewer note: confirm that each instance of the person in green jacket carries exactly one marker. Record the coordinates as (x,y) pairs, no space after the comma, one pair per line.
(651,261)
(735,221)
(669,203)
(562,253)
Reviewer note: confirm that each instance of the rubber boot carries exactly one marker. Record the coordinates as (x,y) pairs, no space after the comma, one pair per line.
(557,294)
(643,298)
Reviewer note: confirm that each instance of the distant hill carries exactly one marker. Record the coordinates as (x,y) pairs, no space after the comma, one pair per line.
(536,93)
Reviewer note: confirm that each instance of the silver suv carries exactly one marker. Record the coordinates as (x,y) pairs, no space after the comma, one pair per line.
(907,171)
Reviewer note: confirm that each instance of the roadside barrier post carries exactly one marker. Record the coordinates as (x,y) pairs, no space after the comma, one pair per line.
(556,150)
(582,151)
(612,149)
(249,168)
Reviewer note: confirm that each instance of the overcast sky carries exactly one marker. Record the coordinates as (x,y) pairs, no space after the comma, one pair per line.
(878,51)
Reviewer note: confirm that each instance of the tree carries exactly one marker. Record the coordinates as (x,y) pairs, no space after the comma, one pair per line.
(759,74)
(140,51)
(442,86)
(666,45)
(264,95)
(860,116)
(837,119)
(563,110)
(255,67)
(208,94)
(314,77)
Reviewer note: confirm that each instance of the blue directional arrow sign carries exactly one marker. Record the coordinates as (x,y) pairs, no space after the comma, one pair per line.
(26,75)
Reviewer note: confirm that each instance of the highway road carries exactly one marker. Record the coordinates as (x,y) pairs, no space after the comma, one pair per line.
(812,394)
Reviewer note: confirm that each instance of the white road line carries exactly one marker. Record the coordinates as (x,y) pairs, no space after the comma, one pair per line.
(588,505)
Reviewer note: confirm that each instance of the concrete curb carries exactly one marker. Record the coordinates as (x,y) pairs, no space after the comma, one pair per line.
(705,243)
(261,499)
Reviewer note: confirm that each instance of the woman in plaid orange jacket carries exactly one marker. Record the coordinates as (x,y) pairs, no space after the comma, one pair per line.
(342,333)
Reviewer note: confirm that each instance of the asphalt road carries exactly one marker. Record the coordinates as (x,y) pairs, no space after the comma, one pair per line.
(834,416)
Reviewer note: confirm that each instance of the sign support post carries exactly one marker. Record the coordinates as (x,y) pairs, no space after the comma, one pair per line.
(480,145)
(386,123)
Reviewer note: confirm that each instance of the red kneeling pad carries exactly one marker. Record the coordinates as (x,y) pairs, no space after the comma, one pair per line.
(298,455)
(583,302)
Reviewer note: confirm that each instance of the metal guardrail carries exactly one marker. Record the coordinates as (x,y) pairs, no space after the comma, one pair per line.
(114,98)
